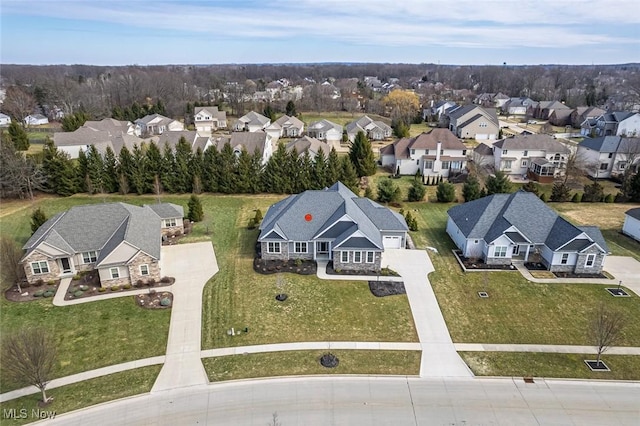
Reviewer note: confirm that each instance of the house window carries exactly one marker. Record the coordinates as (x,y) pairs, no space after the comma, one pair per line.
(170,222)
(482,124)
(565,259)
(525,153)
(506,164)
(417,161)
(144,269)
(357,257)
(622,165)
(89,257)
(505,152)
(445,165)
(41,267)
(426,152)
(370,256)
(591,259)
(464,152)
(611,155)
(442,152)
(344,256)
(524,163)
(300,247)
(604,166)
(428,164)
(413,152)
(115,273)
(273,247)
(456,165)
(500,251)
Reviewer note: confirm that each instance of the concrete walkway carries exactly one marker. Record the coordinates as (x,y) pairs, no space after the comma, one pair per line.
(322,274)
(560,349)
(625,269)
(439,356)
(58,299)
(192,265)
(300,346)
(525,273)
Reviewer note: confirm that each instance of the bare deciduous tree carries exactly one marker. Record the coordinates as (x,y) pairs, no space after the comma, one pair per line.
(18,103)
(605,328)
(29,356)
(11,272)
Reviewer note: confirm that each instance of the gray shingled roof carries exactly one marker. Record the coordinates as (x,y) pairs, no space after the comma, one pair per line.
(532,142)
(602,144)
(488,217)
(634,213)
(326,207)
(310,145)
(324,126)
(166,210)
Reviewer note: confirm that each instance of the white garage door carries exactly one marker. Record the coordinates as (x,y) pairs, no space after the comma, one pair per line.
(390,241)
(481,137)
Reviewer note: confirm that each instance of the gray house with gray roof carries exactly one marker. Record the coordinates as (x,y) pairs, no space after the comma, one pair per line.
(121,241)
(502,228)
(332,224)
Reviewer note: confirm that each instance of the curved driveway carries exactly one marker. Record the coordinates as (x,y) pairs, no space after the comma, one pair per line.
(375,401)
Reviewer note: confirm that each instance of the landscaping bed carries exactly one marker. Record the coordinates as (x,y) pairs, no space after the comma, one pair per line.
(386,288)
(384,272)
(32,292)
(572,275)
(535,266)
(302,267)
(155,300)
(91,287)
(469,263)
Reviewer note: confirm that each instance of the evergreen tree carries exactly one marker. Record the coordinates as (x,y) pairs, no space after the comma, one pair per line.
(255,183)
(74,121)
(334,167)
(110,178)
(125,170)
(388,191)
(349,177)
(305,176)
(291,109)
(38,218)
(82,170)
(227,163)
(416,191)
(368,193)
(154,164)
(446,192)
(183,176)
(577,198)
(400,128)
(195,213)
(243,172)
(59,169)
(167,176)
(593,193)
(196,166)
(634,188)
(269,113)
(498,184)
(18,136)
(361,156)
(275,170)
(95,171)
(319,176)
(412,223)
(117,113)
(138,177)
(292,173)
(210,169)
(560,193)
(531,186)
(471,189)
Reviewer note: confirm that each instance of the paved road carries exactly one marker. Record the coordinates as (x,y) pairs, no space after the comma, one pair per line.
(439,356)
(375,401)
(192,265)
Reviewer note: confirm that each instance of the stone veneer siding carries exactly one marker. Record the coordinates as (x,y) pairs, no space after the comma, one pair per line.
(498,261)
(144,259)
(283,255)
(171,230)
(351,266)
(598,262)
(54,269)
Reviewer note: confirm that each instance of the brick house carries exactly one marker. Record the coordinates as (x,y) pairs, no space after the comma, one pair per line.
(502,228)
(121,241)
(331,224)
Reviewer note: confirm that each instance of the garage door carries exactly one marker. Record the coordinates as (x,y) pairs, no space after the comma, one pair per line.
(393,242)
(481,137)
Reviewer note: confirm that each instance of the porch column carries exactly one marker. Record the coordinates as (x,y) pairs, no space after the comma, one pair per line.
(526,256)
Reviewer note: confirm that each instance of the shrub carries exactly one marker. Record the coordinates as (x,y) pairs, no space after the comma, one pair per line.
(78,293)
(609,198)
(152,291)
(446,192)
(126,286)
(165,280)
(51,282)
(38,293)
(84,287)
(165,302)
(298,262)
(115,288)
(252,223)
(39,282)
(151,281)
(102,289)
(48,293)
(577,197)
(544,197)
(76,277)
(139,283)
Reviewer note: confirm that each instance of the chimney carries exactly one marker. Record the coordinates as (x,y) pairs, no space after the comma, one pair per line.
(438,149)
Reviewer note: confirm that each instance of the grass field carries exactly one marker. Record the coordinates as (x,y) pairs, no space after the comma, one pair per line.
(520,364)
(293,363)
(86,393)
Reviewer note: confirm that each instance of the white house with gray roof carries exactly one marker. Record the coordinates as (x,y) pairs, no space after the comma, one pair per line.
(331,224)
(208,119)
(375,130)
(502,228)
(156,124)
(251,122)
(631,226)
(121,241)
(473,122)
(609,156)
(326,131)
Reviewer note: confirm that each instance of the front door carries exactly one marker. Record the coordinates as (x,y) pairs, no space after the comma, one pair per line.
(66,265)
(516,250)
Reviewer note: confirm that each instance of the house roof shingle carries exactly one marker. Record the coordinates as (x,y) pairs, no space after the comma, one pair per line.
(532,142)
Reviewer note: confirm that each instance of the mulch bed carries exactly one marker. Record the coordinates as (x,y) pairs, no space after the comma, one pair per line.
(473,264)
(89,286)
(572,275)
(535,266)
(268,267)
(28,292)
(386,288)
(153,300)
(385,272)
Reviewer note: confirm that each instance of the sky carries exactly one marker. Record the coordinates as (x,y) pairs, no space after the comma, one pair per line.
(465,32)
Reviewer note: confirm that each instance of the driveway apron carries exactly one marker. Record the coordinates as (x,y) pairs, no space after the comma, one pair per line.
(439,356)
(192,265)
(625,269)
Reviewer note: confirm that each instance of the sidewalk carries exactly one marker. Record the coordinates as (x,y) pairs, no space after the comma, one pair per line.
(527,275)
(301,346)
(561,349)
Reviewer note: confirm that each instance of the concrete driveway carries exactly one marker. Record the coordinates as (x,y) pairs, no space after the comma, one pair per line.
(192,265)
(439,356)
(624,268)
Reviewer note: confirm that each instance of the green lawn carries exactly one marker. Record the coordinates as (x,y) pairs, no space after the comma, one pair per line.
(86,393)
(316,310)
(517,311)
(550,365)
(293,363)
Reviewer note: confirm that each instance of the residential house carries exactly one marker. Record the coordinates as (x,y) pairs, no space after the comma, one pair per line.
(332,224)
(251,122)
(326,131)
(609,156)
(105,133)
(112,126)
(618,123)
(285,127)
(482,156)
(309,145)
(474,122)
(5,120)
(631,226)
(121,241)
(580,114)
(35,120)
(437,153)
(544,109)
(491,100)
(375,130)
(539,157)
(502,228)
(156,124)
(519,106)
(192,137)
(437,109)
(561,117)
(250,141)
(208,119)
